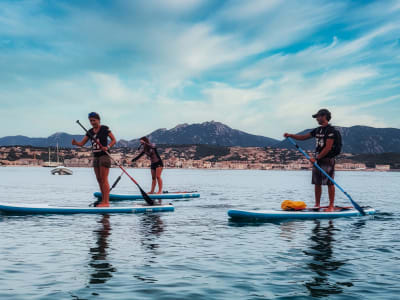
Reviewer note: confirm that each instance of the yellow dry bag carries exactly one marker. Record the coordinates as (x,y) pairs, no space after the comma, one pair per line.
(293,205)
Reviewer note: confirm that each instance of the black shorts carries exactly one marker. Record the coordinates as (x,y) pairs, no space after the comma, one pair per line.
(328,165)
(156,165)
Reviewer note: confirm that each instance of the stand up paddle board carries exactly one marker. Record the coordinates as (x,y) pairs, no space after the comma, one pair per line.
(260,215)
(176,195)
(9,208)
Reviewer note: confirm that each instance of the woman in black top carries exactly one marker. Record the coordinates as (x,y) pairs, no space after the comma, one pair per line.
(101,161)
(156,163)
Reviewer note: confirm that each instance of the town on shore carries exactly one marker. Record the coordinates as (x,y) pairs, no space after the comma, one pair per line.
(181,156)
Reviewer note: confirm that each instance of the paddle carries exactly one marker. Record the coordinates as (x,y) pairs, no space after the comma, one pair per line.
(95,203)
(119,177)
(145,196)
(356,206)
(116,181)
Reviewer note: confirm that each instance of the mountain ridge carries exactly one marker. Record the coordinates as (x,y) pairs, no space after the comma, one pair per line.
(356,139)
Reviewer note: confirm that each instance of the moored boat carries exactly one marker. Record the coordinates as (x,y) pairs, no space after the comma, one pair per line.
(61,170)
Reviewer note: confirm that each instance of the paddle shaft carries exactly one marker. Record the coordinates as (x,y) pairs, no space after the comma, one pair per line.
(358,207)
(116,181)
(145,196)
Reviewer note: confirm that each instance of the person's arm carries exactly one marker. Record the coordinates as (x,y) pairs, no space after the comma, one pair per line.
(327,148)
(139,156)
(81,143)
(113,141)
(300,137)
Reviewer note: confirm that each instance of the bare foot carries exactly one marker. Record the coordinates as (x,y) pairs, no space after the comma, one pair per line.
(151,192)
(329,209)
(101,204)
(159,192)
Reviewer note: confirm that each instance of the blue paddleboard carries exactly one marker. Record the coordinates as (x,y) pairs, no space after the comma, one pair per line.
(9,208)
(182,195)
(260,215)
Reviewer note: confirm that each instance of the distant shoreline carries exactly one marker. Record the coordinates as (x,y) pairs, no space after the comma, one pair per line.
(216,169)
(198,157)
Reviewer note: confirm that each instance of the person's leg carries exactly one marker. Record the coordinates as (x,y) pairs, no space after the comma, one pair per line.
(105,186)
(153,181)
(318,193)
(98,178)
(329,168)
(159,180)
(331,192)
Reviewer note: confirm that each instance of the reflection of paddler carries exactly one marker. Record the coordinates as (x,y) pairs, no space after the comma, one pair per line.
(322,262)
(151,226)
(101,268)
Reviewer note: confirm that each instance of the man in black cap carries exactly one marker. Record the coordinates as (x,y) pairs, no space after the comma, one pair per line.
(328,145)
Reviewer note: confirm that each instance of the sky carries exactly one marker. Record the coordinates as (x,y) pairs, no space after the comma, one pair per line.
(260,66)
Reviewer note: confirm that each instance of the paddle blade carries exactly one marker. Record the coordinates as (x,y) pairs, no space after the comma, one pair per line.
(115,183)
(356,206)
(146,197)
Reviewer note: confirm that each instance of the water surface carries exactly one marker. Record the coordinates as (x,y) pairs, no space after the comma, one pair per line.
(196,252)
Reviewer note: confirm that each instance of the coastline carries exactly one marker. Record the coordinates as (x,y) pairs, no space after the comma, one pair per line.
(216,169)
(194,157)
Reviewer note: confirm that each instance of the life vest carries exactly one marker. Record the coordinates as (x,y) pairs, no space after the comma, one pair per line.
(293,205)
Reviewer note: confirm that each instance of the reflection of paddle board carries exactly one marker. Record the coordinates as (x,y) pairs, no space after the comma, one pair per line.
(175,195)
(260,215)
(9,208)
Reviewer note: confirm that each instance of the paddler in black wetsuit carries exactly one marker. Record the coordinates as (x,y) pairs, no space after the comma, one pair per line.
(156,163)
(101,161)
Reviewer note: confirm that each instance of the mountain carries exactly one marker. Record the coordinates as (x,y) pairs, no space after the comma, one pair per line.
(63,139)
(210,133)
(358,139)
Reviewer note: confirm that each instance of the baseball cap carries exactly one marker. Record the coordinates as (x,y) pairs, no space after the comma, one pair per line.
(322,112)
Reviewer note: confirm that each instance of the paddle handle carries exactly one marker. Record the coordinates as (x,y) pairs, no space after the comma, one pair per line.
(329,177)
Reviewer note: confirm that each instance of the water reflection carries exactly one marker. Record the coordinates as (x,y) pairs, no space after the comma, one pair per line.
(151,227)
(101,269)
(323,262)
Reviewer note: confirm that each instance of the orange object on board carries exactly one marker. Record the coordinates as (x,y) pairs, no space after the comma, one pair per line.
(293,205)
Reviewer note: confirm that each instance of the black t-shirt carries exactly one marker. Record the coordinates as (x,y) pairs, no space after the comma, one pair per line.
(102,136)
(321,134)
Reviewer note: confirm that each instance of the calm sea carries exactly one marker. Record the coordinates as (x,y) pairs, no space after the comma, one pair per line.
(196,252)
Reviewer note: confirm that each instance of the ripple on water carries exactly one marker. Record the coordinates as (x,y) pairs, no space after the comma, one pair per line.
(197,252)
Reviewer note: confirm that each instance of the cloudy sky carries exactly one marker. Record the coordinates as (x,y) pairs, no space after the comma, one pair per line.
(259,66)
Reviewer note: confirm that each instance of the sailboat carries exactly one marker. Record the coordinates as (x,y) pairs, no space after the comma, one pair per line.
(61,170)
(50,164)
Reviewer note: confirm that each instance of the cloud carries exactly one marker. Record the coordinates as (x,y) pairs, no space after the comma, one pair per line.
(147,64)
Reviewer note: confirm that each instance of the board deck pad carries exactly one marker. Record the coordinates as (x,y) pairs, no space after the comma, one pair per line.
(11,208)
(259,215)
(139,197)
